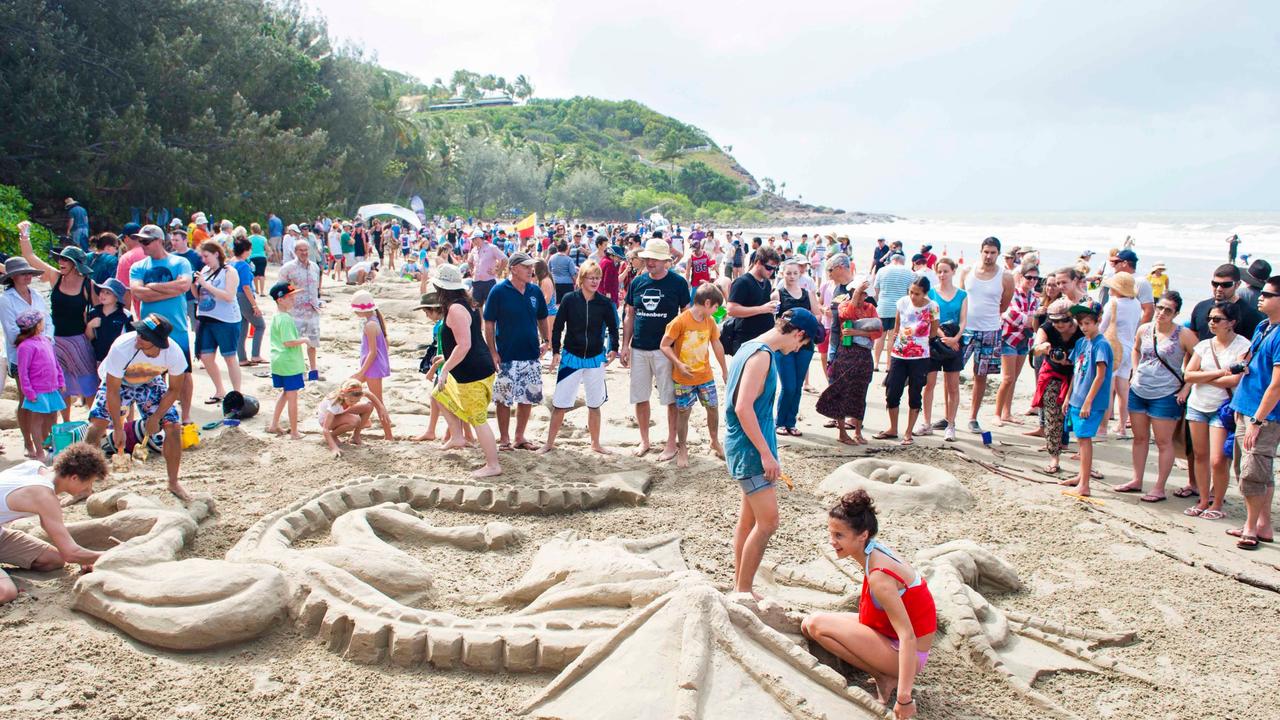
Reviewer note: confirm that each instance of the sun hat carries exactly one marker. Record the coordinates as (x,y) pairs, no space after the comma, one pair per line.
(1257,274)
(519,258)
(1158,266)
(113,286)
(1122,284)
(154,329)
(18,266)
(656,249)
(175,223)
(430,299)
(200,219)
(28,319)
(68,202)
(808,322)
(293,229)
(616,250)
(77,257)
(363,301)
(281,289)
(448,277)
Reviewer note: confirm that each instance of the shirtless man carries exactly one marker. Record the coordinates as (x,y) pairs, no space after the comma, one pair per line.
(31,488)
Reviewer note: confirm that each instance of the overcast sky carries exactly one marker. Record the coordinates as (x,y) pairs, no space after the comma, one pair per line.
(904,106)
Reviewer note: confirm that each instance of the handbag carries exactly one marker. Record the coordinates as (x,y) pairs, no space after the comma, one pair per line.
(729,333)
(939,350)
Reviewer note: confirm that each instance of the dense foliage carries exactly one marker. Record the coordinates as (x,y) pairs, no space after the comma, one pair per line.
(14,209)
(243,106)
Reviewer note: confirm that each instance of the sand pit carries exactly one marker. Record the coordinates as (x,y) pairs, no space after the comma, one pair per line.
(1114,613)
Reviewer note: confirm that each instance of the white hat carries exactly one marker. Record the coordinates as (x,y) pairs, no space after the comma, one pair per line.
(656,249)
(293,229)
(363,301)
(176,222)
(448,277)
(200,219)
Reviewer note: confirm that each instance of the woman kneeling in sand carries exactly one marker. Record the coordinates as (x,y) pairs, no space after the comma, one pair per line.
(893,631)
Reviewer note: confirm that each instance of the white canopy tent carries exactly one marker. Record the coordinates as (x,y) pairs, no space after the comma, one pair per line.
(367,212)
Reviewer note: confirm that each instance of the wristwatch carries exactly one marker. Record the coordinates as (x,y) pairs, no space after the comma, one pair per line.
(1256,421)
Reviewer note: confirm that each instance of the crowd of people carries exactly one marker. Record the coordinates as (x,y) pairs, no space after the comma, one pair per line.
(1105,345)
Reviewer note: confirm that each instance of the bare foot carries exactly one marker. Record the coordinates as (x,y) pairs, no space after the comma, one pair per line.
(885,686)
(719,451)
(356,439)
(603,450)
(452,446)
(859,439)
(427,436)
(1038,432)
(667,454)
(641,450)
(275,430)
(847,440)
(1070,482)
(545,449)
(295,435)
(682,458)
(487,471)
(180,492)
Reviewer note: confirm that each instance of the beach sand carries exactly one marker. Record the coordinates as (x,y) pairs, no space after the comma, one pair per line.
(1207,640)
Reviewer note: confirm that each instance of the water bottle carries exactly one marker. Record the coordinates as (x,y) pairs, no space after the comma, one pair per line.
(846,340)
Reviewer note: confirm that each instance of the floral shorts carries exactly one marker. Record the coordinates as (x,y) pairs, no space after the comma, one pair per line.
(687,395)
(146,397)
(519,383)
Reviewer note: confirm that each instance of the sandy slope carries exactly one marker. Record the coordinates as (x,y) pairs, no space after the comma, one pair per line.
(1207,639)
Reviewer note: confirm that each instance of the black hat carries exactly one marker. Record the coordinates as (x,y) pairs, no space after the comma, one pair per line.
(281,289)
(154,329)
(1257,274)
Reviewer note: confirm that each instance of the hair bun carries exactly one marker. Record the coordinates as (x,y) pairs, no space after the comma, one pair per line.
(857,501)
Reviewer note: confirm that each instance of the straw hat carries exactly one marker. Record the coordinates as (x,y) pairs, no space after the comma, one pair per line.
(656,249)
(448,277)
(363,301)
(1122,284)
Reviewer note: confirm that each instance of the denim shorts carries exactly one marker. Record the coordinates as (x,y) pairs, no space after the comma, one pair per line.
(1165,408)
(1007,350)
(217,335)
(1209,418)
(754,484)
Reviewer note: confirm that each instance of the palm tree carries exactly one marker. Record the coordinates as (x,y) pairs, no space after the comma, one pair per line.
(522,88)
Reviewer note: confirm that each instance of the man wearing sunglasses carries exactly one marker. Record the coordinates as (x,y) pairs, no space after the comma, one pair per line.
(750,297)
(1256,403)
(159,281)
(1225,283)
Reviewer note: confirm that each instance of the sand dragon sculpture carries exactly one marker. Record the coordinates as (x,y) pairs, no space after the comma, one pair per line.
(599,612)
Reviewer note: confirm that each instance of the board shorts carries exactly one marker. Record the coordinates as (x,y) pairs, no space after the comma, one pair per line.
(146,397)
(308,325)
(519,382)
(1085,428)
(984,348)
(569,379)
(650,368)
(20,549)
(687,395)
(468,401)
(287,382)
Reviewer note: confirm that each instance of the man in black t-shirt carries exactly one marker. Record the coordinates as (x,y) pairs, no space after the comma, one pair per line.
(1226,280)
(880,257)
(750,300)
(654,299)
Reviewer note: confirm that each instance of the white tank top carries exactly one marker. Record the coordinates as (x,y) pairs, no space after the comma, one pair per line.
(17,477)
(984,301)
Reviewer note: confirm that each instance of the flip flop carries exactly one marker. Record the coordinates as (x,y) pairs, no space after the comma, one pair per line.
(884,435)
(1095,475)
(1212,515)
(1050,471)
(215,400)
(829,424)
(1248,542)
(794,432)
(504,447)
(1148,498)
(1186,492)
(1236,532)
(526,445)
(1194,511)
(1123,489)
(908,442)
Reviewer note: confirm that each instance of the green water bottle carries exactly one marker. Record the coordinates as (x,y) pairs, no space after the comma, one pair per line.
(720,313)
(846,340)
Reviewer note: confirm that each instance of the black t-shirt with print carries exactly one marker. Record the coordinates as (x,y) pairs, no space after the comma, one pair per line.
(656,303)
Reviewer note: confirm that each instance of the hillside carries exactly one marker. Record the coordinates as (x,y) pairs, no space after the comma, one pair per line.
(240,107)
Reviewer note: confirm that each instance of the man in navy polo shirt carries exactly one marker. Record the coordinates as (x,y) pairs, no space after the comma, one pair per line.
(517,328)
(1256,403)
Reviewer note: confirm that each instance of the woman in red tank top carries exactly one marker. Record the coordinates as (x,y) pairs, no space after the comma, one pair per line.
(892,632)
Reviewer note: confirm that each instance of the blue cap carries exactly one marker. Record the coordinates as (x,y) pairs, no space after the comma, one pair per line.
(1128,256)
(130,229)
(808,322)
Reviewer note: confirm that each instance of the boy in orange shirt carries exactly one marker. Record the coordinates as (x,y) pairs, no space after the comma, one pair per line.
(688,343)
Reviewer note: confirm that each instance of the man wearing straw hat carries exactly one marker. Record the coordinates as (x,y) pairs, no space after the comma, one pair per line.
(654,299)
(77,224)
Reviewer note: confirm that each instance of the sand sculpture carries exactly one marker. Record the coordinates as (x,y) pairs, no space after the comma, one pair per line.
(601,612)
(898,485)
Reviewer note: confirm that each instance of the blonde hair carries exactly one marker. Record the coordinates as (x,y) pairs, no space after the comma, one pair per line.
(590,267)
(239,232)
(348,388)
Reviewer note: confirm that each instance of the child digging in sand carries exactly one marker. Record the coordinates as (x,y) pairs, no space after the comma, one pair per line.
(287,364)
(347,409)
(688,343)
(1090,389)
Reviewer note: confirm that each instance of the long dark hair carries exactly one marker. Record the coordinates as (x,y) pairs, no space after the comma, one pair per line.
(449,297)
(856,510)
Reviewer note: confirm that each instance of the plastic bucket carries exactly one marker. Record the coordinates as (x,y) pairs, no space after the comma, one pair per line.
(190,436)
(67,433)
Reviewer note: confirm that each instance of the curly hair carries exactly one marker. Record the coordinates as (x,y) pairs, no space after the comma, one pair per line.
(82,460)
(856,510)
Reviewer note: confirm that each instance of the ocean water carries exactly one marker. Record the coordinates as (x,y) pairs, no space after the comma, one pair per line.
(1190,244)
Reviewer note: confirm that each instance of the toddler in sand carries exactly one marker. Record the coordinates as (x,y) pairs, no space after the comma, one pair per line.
(688,342)
(347,409)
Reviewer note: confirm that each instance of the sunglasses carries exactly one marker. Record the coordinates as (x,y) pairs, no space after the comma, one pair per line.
(1166,308)
(1217,319)
(1268,295)
(1061,321)
(771,268)
(145,241)
(1224,284)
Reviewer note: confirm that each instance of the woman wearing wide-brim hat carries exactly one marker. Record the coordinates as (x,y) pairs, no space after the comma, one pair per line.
(464,383)
(18,297)
(1119,325)
(70,299)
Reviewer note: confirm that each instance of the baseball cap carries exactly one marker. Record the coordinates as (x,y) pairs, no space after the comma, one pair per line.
(1128,256)
(808,322)
(1087,308)
(131,228)
(519,258)
(154,329)
(150,232)
(281,289)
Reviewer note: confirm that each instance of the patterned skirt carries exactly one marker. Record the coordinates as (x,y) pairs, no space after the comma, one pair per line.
(468,401)
(850,376)
(75,356)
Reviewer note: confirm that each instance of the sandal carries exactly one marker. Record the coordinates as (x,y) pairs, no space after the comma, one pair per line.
(1050,470)
(1149,498)
(830,424)
(1247,542)
(1095,474)
(885,435)
(794,432)
(1194,511)
(1186,492)
(214,400)
(1237,532)
(504,447)
(1212,515)
(1125,489)
(526,445)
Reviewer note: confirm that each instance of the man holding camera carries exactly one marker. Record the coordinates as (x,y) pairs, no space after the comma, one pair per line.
(1256,403)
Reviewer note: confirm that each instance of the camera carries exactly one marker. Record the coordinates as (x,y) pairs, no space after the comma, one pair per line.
(1058,355)
(1237,368)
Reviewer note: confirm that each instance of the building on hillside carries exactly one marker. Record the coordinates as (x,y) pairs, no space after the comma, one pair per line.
(461,103)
